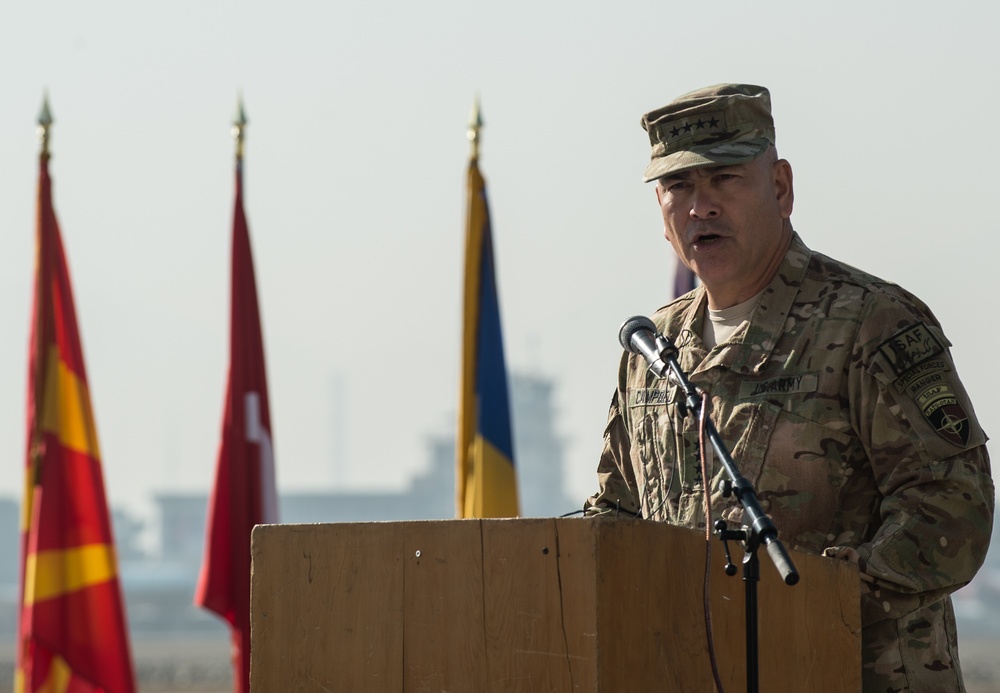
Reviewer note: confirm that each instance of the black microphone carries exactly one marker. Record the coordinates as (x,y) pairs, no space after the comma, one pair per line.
(638,335)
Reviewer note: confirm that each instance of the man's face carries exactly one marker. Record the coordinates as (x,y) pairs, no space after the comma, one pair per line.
(729,224)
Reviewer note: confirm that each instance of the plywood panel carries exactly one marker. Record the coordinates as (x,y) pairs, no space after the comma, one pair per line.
(652,582)
(576,541)
(527,643)
(444,644)
(327,608)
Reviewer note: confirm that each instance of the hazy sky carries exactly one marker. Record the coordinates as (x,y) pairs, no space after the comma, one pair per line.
(355,172)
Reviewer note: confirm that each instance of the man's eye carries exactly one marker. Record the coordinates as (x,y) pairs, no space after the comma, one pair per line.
(722,177)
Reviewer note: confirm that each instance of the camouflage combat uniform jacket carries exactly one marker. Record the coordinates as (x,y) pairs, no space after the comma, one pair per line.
(842,407)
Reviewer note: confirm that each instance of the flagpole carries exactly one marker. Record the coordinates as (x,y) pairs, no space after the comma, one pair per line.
(466,417)
(45,121)
(24,666)
(475,125)
(239,124)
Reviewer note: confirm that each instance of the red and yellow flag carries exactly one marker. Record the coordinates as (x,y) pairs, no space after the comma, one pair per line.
(244,493)
(71,635)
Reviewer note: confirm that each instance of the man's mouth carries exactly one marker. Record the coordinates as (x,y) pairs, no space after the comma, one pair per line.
(706,239)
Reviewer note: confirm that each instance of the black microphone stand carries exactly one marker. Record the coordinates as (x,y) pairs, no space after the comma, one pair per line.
(757,527)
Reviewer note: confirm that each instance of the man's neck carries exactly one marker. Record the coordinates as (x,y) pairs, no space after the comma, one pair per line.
(721,298)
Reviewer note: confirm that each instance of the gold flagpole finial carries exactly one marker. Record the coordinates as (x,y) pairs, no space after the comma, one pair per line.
(475,125)
(44,123)
(239,123)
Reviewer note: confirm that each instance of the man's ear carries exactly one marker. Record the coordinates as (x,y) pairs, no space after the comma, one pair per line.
(659,203)
(783,187)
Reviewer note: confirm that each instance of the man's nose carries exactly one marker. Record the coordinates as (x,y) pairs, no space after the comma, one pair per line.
(704,204)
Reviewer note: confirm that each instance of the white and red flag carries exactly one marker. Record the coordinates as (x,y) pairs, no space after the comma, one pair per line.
(244,493)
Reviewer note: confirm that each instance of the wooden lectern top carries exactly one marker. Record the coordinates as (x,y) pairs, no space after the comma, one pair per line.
(571,604)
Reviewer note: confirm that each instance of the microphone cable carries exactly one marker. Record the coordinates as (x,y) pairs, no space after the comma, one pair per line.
(708,543)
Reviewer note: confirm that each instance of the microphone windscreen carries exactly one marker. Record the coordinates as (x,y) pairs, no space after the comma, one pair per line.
(636,323)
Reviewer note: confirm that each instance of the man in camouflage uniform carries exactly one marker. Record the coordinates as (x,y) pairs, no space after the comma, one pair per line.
(834,391)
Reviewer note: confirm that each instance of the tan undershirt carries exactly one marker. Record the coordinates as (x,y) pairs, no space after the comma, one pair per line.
(723,324)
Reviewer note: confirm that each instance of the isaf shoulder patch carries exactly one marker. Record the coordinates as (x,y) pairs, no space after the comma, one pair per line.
(910,347)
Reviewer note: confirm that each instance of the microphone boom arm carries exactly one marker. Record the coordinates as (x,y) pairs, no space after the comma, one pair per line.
(760,528)
(661,355)
(639,335)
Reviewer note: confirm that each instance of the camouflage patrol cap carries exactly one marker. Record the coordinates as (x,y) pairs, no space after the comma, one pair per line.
(715,126)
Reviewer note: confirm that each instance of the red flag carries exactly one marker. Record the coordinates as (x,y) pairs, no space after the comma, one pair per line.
(244,494)
(71,634)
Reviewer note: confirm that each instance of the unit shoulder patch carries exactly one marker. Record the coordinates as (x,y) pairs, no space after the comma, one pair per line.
(948,417)
(929,386)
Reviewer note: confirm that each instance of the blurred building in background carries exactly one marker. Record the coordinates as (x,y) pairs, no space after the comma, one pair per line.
(159,580)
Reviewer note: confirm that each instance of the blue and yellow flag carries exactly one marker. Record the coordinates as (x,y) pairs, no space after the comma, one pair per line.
(486,482)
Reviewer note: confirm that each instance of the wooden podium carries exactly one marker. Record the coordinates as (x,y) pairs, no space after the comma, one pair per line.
(494,606)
